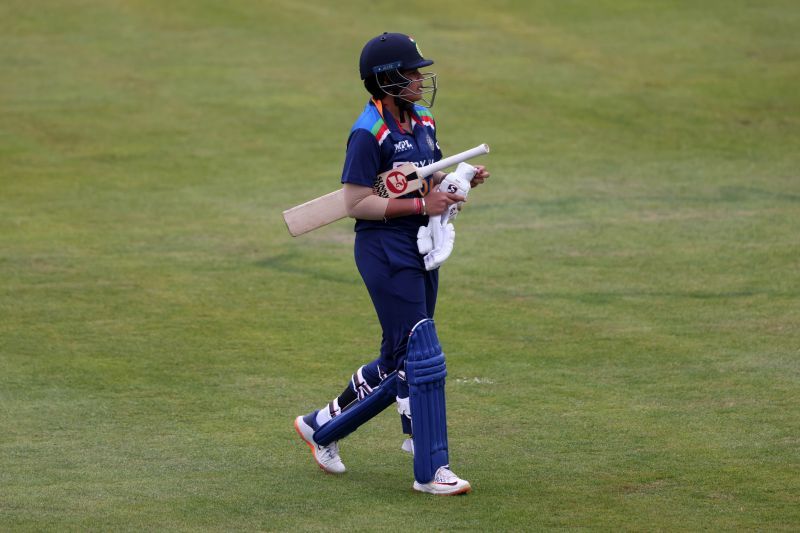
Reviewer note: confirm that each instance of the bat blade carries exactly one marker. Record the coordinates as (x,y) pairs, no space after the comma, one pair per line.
(315,213)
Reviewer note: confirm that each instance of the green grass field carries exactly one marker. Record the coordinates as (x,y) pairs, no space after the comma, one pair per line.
(621,313)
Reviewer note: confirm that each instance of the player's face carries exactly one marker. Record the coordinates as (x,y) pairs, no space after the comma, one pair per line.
(410,85)
(412,90)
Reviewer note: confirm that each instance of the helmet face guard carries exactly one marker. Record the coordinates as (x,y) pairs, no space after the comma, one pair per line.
(387,57)
(399,85)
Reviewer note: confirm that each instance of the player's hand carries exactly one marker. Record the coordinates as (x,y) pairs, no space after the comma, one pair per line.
(437,202)
(480,176)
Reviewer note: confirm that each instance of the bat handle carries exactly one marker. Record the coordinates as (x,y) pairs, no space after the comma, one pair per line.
(424,172)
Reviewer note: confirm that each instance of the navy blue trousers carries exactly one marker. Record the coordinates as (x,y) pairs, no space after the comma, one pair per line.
(402,291)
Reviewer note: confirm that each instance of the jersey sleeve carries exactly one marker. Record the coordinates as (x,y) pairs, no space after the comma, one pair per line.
(363,158)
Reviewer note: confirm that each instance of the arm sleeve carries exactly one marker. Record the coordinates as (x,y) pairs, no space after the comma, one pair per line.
(362,203)
(363,159)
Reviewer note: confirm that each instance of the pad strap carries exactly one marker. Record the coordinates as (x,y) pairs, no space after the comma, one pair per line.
(359,412)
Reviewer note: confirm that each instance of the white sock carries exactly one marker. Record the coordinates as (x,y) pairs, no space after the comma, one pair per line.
(325,414)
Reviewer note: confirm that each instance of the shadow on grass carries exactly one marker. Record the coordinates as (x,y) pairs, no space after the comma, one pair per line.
(738,194)
(606,297)
(301,264)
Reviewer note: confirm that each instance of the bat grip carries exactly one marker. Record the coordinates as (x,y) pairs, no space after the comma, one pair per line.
(424,172)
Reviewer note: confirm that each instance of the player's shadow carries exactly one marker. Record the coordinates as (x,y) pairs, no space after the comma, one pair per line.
(298,264)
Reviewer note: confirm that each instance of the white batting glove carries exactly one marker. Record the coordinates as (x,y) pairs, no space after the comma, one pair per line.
(444,238)
(424,240)
(458,182)
(436,240)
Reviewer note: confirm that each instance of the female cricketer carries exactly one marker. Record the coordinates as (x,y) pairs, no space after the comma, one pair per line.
(394,129)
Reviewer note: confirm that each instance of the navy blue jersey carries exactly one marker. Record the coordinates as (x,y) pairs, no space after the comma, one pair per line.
(377,144)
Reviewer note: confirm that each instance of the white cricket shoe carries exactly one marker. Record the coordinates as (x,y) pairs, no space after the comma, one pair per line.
(444,483)
(327,457)
(408,446)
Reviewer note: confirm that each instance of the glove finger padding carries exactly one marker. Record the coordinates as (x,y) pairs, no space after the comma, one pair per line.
(424,240)
(442,251)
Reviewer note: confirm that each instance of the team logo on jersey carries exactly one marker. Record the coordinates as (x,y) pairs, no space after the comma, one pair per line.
(430,142)
(396,182)
(403,146)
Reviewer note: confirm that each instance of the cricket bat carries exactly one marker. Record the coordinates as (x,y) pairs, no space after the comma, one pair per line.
(390,184)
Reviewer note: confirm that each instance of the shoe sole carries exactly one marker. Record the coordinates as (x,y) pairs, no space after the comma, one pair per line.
(463,490)
(312,447)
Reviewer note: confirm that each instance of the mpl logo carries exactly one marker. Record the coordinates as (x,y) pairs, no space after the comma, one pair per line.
(402,146)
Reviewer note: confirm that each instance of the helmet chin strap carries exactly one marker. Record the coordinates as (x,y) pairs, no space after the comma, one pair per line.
(403,105)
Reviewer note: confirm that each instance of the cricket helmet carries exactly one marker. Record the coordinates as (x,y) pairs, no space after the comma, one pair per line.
(391,51)
(383,60)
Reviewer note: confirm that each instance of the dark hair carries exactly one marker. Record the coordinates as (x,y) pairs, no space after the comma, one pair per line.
(371,84)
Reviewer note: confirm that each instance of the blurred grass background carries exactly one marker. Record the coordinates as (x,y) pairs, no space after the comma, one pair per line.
(620,313)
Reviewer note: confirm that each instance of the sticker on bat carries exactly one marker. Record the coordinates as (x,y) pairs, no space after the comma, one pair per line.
(396,182)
